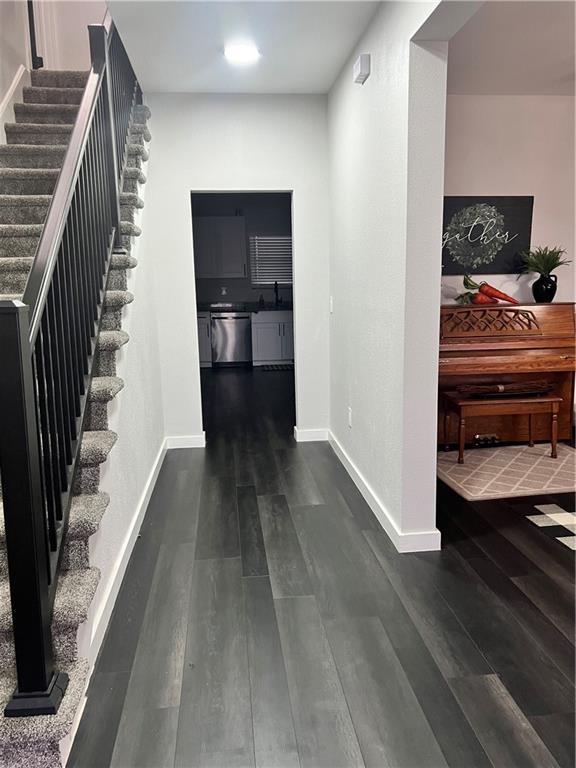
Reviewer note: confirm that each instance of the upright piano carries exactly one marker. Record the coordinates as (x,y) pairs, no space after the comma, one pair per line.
(508,344)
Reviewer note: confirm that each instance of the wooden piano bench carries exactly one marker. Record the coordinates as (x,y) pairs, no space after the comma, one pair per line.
(466,407)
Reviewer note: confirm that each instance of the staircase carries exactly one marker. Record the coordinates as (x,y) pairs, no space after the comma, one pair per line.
(30,164)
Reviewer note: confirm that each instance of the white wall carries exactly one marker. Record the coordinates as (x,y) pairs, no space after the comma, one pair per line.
(136,416)
(516,145)
(243,143)
(62,31)
(13,42)
(377,195)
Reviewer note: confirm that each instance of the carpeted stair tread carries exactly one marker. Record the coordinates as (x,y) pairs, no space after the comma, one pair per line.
(141,114)
(15,263)
(19,239)
(14,273)
(96,447)
(32,155)
(139,150)
(38,94)
(140,132)
(105,388)
(74,594)
(59,78)
(130,230)
(38,133)
(86,512)
(131,198)
(46,113)
(33,734)
(117,299)
(20,230)
(123,261)
(10,296)
(111,341)
(28,181)
(134,173)
(24,209)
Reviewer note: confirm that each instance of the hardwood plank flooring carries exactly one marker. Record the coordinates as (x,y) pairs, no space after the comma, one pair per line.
(266,621)
(324,730)
(274,739)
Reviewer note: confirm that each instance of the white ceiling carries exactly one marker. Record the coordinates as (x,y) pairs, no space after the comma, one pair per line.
(178,46)
(514,48)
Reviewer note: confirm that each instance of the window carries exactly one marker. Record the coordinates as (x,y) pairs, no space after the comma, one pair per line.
(271,259)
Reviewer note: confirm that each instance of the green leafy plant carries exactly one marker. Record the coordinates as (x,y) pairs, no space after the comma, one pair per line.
(543,260)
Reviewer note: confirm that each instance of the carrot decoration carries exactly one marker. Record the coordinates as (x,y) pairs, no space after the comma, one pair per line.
(487,290)
(482,298)
(474,298)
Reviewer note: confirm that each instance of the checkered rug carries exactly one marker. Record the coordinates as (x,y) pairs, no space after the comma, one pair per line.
(509,471)
(556,522)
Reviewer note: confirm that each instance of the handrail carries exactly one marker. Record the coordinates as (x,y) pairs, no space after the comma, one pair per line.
(46,256)
(37,61)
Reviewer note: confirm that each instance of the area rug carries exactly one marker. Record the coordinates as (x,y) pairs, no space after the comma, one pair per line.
(556,522)
(509,471)
(276,367)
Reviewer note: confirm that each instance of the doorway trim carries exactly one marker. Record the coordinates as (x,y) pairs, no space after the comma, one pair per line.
(295,304)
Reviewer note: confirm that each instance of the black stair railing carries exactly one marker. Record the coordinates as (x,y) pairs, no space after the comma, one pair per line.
(37,61)
(47,344)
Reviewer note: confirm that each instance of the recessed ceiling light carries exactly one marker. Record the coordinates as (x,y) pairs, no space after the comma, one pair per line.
(242,54)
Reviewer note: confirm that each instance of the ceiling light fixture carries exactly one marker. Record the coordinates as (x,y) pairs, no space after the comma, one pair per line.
(242,54)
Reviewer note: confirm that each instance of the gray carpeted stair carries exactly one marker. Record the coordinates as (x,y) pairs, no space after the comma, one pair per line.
(34,133)
(32,155)
(54,114)
(29,167)
(24,209)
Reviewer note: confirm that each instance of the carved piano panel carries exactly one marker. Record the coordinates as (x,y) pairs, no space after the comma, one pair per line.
(506,344)
(471,322)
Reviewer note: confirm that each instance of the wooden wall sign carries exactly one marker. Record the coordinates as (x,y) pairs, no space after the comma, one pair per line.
(485,235)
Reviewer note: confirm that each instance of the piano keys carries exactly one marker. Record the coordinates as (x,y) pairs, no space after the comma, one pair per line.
(509,344)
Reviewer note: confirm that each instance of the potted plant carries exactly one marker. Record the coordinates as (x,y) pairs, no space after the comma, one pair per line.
(543,261)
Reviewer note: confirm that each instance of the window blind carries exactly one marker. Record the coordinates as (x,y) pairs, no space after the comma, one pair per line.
(271,259)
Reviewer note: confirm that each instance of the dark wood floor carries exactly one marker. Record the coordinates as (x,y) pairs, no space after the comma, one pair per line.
(265,619)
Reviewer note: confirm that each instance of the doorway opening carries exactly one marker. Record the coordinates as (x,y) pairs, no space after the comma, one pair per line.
(244,304)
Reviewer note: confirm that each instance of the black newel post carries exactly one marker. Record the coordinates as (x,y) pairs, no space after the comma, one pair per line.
(40,687)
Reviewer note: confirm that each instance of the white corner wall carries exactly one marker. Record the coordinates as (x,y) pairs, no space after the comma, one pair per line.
(516,145)
(62,31)
(137,418)
(244,143)
(14,45)
(378,250)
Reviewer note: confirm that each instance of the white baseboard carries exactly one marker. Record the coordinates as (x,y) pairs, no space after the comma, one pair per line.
(310,435)
(186,441)
(410,541)
(102,618)
(98,625)
(11,97)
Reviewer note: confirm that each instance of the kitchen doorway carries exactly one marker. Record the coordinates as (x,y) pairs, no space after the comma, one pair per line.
(244,307)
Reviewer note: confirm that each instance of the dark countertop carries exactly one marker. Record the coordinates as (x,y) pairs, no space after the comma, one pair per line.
(248,306)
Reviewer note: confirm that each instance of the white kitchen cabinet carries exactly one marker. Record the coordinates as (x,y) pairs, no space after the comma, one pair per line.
(204,340)
(272,337)
(220,246)
(266,343)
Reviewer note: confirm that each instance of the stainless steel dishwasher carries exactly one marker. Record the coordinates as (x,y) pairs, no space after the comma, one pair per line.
(231,338)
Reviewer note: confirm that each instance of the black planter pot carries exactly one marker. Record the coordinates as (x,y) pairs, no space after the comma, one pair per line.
(544,289)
